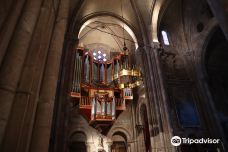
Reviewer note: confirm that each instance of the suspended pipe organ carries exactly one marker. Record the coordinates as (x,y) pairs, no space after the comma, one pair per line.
(103,89)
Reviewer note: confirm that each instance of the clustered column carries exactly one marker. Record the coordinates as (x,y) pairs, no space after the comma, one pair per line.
(20,124)
(11,67)
(42,127)
(8,28)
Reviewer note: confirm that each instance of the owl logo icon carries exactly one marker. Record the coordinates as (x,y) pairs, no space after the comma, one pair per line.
(176,141)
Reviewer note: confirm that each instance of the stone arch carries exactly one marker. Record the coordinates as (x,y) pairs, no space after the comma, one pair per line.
(82,130)
(158,10)
(127,26)
(215,64)
(199,58)
(82,133)
(120,133)
(202,45)
(138,110)
(76,24)
(120,130)
(119,141)
(77,141)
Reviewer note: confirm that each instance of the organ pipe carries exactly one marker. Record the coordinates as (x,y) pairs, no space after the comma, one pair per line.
(102,73)
(77,73)
(86,69)
(113,108)
(93,111)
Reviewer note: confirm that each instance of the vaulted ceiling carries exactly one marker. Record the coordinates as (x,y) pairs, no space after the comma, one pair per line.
(101,22)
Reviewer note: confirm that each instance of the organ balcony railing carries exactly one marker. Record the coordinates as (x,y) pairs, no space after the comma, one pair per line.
(86,103)
(102,110)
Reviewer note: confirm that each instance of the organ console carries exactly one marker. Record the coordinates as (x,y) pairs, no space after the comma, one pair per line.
(103,88)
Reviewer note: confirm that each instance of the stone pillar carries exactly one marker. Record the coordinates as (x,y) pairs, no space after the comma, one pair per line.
(44,112)
(129,147)
(156,94)
(164,125)
(220,11)
(14,59)
(8,27)
(89,146)
(149,87)
(109,146)
(20,124)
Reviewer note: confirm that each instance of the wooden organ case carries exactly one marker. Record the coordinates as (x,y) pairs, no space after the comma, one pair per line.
(98,89)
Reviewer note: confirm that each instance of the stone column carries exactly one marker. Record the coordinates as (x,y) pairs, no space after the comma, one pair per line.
(149,88)
(129,147)
(156,94)
(164,125)
(8,27)
(20,124)
(89,147)
(44,112)
(13,62)
(109,146)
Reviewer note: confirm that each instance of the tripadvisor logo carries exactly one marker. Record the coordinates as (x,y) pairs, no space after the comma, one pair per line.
(177,141)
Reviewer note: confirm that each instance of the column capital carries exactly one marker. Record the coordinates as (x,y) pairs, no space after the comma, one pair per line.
(109,143)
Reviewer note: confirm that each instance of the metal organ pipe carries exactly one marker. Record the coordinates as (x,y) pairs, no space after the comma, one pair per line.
(94,72)
(77,73)
(113,108)
(109,73)
(86,69)
(102,73)
(74,72)
(93,112)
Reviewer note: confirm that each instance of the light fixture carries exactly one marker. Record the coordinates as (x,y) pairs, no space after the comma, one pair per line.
(95,58)
(129,76)
(99,57)
(94,53)
(104,59)
(104,55)
(99,52)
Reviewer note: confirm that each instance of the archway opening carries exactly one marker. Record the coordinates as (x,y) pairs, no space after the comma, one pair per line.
(216,64)
(78,142)
(119,142)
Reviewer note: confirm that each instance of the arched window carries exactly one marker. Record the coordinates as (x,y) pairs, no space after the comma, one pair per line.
(165,37)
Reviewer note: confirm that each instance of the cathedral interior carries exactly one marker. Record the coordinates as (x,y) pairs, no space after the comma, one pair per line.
(113,75)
